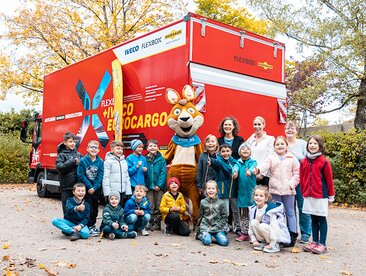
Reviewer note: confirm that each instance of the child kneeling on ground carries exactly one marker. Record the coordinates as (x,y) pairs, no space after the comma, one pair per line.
(113,224)
(212,221)
(137,211)
(172,208)
(267,222)
(77,212)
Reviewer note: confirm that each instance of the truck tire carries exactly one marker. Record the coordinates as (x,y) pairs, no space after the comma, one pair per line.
(41,189)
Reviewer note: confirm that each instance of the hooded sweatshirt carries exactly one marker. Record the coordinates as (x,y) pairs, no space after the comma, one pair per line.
(91,172)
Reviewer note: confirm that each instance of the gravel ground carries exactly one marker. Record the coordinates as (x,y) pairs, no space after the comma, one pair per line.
(30,245)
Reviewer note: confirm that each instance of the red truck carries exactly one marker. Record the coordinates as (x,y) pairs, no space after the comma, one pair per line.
(120,92)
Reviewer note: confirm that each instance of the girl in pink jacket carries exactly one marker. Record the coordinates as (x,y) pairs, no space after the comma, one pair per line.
(283,168)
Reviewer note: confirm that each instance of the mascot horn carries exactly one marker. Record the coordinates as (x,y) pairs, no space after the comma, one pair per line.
(185,146)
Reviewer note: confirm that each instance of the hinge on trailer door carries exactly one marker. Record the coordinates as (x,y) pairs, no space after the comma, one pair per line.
(203,27)
(275,48)
(242,36)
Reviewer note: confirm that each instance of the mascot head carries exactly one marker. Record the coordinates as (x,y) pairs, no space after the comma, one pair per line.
(184,118)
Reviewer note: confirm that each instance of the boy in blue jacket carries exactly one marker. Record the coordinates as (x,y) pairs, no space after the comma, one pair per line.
(136,164)
(90,172)
(137,211)
(74,223)
(228,186)
(155,182)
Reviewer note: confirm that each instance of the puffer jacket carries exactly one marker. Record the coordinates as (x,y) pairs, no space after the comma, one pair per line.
(213,216)
(66,166)
(112,215)
(116,176)
(284,173)
(132,205)
(156,171)
(168,201)
(275,217)
(246,183)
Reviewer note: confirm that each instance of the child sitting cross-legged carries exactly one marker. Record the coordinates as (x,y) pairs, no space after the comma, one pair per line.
(137,211)
(172,207)
(113,224)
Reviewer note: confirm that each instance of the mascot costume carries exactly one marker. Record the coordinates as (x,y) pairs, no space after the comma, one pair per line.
(185,146)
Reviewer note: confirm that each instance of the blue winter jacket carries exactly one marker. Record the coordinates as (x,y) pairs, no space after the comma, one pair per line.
(91,172)
(132,205)
(156,171)
(74,216)
(227,185)
(246,183)
(137,176)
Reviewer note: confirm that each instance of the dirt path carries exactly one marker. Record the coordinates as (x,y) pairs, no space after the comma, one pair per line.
(33,243)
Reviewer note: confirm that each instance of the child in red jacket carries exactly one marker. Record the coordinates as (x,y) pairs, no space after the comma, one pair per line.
(317,187)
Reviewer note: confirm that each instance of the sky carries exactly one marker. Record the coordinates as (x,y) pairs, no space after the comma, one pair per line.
(17,102)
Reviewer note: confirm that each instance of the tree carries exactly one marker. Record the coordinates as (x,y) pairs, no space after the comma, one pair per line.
(232,13)
(335,31)
(46,35)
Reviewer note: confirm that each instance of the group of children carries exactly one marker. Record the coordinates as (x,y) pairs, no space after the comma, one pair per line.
(136,199)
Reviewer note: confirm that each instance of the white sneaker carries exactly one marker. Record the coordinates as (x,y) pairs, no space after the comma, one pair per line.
(274,249)
(144,232)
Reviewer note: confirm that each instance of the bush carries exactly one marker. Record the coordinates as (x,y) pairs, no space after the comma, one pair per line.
(14,160)
(347,153)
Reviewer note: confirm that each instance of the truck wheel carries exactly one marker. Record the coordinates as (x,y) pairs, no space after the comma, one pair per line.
(41,188)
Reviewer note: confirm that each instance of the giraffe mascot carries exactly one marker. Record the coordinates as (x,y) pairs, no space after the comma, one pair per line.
(185,147)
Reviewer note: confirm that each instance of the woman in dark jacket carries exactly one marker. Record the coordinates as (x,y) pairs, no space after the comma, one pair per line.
(229,129)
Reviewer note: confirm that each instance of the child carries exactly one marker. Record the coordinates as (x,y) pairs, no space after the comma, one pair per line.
(155,181)
(317,187)
(267,222)
(74,223)
(213,216)
(204,171)
(136,164)
(90,172)
(228,186)
(116,176)
(113,225)
(172,207)
(284,170)
(243,170)
(137,211)
(66,164)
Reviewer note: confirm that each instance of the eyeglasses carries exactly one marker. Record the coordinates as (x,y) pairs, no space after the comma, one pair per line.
(93,147)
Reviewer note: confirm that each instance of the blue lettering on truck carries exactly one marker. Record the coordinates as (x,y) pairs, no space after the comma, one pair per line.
(131,50)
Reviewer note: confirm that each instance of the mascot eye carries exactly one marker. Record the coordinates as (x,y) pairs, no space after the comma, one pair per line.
(191,110)
(176,111)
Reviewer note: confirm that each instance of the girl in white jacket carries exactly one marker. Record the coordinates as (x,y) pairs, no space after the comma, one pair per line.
(283,168)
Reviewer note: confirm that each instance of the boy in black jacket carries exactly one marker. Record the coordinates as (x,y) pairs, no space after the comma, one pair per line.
(66,164)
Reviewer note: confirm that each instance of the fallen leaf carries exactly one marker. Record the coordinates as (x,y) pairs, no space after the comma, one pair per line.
(234,263)
(323,257)
(50,272)
(6,258)
(6,245)
(296,250)
(43,249)
(40,266)
(71,265)
(346,273)
(213,262)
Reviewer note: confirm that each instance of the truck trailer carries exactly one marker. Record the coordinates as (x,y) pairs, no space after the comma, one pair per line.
(119,94)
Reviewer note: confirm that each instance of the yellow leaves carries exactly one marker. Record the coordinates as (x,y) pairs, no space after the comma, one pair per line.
(346,273)
(6,245)
(6,258)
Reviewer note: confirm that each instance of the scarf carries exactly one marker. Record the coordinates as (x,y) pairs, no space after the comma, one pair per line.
(312,156)
(186,142)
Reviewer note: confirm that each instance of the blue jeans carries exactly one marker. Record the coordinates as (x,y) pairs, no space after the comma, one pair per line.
(136,223)
(117,232)
(66,227)
(304,219)
(220,237)
(320,229)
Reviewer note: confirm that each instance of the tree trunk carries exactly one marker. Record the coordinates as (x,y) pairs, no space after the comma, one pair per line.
(360,119)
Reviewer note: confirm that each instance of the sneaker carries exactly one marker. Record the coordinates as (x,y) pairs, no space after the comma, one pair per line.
(274,249)
(309,247)
(131,235)
(75,236)
(260,247)
(320,249)
(238,232)
(242,237)
(111,236)
(93,233)
(304,239)
(144,232)
(168,231)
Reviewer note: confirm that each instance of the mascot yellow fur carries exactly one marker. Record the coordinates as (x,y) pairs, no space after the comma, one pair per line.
(185,146)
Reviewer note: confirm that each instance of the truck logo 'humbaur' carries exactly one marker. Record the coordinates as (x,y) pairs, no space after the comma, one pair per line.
(85,100)
(173,34)
(265,65)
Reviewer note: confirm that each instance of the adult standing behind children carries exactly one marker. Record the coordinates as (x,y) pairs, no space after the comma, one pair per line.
(116,176)
(66,164)
(229,129)
(155,181)
(262,146)
(298,148)
(137,166)
(90,172)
